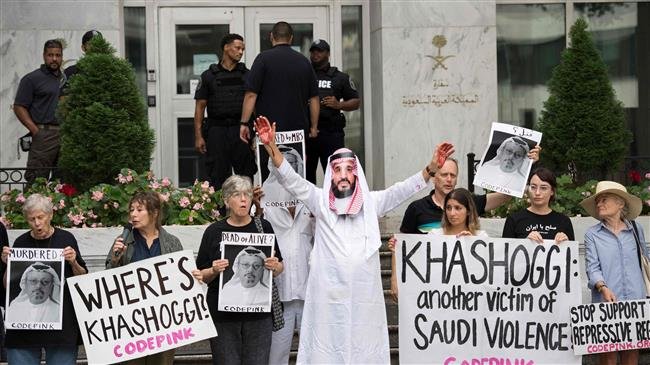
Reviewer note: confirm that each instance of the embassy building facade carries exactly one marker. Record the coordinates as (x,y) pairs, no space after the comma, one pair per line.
(427,71)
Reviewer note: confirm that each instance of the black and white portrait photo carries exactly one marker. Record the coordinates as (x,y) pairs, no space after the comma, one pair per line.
(35,290)
(246,283)
(505,164)
(274,194)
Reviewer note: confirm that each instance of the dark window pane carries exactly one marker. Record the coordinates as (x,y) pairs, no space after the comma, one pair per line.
(530,39)
(197,46)
(191,164)
(351,34)
(135,44)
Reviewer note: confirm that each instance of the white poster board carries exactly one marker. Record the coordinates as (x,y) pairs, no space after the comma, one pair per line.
(607,327)
(140,309)
(292,147)
(35,289)
(505,165)
(470,299)
(245,285)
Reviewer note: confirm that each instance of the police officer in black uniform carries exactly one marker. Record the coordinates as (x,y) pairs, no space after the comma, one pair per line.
(337,93)
(221,91)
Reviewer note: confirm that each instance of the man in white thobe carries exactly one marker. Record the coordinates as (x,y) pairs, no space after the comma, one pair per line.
(38,300)
(344,317)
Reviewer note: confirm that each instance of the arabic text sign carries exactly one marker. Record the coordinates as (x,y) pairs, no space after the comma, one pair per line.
(505,165)
(141,309)
(607,327)
(469,299)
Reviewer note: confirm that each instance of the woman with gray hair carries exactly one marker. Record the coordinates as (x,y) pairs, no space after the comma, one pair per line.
(613,249)
(24,346)
(244,338)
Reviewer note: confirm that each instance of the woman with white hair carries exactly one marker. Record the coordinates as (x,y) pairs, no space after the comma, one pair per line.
(244,338)
(24,346)
(613,249)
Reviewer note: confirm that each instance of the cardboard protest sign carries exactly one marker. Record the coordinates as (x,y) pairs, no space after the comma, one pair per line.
(607,327)
(472,300)
(35,289)
(505,166)
(245,285)
(292,147)
(140,309)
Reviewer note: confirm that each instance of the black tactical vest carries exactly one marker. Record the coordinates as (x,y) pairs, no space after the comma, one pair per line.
(226,95)
(329,119)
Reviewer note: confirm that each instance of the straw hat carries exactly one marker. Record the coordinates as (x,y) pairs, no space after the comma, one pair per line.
(633,203)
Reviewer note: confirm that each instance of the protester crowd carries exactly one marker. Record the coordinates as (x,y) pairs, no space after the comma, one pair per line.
(325,261)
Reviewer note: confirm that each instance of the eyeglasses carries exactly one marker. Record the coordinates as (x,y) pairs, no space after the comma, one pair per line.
(542,188)
(247,266)
(43,282)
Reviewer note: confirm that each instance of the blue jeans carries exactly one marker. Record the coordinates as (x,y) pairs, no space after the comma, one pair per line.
(54,355)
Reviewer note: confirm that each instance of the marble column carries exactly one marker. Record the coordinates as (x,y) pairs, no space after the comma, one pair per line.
(434,79)
(24,28)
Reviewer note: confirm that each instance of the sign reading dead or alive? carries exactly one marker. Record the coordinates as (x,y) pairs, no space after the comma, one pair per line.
(607,327)
(141,309)
(479,300)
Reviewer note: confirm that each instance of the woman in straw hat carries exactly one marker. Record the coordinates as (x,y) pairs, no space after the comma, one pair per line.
(613,262)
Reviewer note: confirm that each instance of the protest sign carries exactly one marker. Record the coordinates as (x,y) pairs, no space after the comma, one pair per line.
(607,327)
(474,300)
(505,165)
(245,285)
(140,309)
(292,147)
(35,289)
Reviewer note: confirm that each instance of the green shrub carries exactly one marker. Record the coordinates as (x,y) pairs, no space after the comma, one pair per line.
(582,121)
(105,124)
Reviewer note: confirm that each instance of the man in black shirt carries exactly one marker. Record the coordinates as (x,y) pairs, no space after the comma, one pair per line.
(333,86)
(425,214)
(35,106)
(72,70)
(221,91)
(282,87)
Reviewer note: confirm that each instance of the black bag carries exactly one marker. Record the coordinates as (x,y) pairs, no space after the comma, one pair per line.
(25,142)
(277,307)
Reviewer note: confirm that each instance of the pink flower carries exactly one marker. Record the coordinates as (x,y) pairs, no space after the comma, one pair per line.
(94,225)
(20,198)
(190,219)
(58,187)
(150,175)
(211,190)
(97,195)
(61,203)
(121,179)
(197,206)
(184,202)
(129,177)
(647,175)
(154,185)
(205,185)
(116,205)
(164,197)
(105,206)
(166,182)
(215,213)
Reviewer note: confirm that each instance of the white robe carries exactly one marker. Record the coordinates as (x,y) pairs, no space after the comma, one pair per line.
(344,318)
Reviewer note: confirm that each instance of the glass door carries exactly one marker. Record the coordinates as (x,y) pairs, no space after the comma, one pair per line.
(189,43)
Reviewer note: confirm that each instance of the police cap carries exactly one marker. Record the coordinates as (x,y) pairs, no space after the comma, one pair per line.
(320,44)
